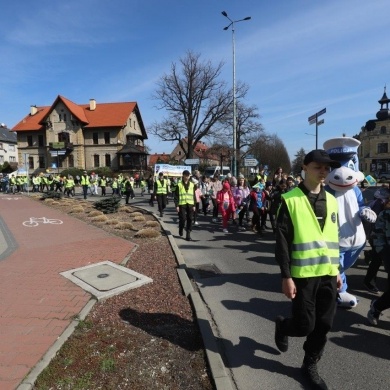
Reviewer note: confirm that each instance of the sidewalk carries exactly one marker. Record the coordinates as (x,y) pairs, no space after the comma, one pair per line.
(37,303)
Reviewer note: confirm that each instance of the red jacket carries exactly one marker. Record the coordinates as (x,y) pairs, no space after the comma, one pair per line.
(220,196)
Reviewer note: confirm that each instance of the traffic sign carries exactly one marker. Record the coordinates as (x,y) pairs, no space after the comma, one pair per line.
(250,162)
(321,122)
(312,119)
(192,161)
(323,111)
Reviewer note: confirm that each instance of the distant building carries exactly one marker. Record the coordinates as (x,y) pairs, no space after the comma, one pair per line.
(374,152)
(86,136)
(200,151)
(8,147)
(158,159)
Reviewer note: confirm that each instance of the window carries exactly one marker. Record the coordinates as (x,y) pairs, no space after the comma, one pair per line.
(11,148)
(106,137)
(108,160)
(31,163)
(96,161)
(41,161)
(63,137)
(1,159)
(64,117)
(1,145)
(95,138)
(29,140)
(40,140)
(383,147)
(383,130)
(71,161)
(12,159)
(59,117)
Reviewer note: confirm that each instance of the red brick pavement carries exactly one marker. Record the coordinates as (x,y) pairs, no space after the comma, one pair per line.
(36,303)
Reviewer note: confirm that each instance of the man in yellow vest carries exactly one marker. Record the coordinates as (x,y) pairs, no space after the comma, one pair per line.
(307,252)
(185,201)
(160,192)
(85,183)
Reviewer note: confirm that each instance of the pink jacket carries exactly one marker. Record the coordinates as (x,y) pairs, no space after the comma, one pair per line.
(220,202)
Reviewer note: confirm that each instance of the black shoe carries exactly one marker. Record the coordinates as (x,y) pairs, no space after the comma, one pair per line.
(188,236)
(281,340)
(371,287)
(180,231)
(309,371)
(161,214)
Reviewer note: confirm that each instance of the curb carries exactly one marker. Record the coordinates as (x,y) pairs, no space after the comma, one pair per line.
(29,381)
(219,375)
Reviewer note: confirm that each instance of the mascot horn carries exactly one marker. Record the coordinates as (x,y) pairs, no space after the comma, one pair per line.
(343,184)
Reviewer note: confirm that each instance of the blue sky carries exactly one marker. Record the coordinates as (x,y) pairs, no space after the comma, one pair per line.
(297,56)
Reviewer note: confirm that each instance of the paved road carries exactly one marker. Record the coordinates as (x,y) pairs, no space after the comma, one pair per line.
(245,298)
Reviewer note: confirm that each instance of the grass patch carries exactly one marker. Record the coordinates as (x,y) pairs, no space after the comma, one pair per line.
(112,222)
(99,218)
(76,209)
(108,364)
(139,218)
(147,233)
(95,213)
(152,224)
(125,226)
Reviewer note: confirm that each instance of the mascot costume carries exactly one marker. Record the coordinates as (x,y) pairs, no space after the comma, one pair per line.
(343,184)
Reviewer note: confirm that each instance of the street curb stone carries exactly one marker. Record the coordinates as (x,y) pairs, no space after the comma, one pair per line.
(219,375)
(30,379)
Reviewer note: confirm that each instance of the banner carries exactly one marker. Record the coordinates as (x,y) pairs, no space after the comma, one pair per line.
(171,170)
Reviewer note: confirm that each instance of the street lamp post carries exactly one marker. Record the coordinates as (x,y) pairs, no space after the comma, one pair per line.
(234,89)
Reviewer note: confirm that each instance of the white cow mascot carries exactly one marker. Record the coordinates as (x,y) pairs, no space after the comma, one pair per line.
(343,184)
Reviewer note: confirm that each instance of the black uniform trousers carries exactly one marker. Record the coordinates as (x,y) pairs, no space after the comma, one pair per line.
(161,202)
(313,311)
(186,213)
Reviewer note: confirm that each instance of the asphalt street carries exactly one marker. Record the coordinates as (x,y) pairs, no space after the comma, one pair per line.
(240,283)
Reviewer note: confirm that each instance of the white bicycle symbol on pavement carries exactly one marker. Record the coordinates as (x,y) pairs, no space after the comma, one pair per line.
(36,221)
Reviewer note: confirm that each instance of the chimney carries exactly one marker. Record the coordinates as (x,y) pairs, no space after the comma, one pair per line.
(92,104)
(33,110)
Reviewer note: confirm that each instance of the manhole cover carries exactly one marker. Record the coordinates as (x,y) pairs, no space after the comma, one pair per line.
(106,279)
(205,271)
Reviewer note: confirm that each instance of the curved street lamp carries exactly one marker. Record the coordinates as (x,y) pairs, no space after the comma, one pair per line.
(232,22)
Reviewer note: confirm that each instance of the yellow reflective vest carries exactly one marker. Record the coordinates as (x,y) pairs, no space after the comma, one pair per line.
(161,187)
(315,252)
(186,197)
(85,181)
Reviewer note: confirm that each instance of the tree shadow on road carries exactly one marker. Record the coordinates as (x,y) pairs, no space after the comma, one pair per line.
(171,327)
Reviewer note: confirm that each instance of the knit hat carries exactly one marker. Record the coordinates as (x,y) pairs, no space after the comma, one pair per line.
(233,181)
(241,176)
(226,186)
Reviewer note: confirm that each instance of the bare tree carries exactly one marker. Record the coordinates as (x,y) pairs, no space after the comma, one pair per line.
(270,150)
(247,128)
(195,99)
